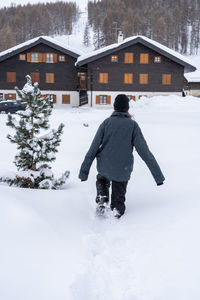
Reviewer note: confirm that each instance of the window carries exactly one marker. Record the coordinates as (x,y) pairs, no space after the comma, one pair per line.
(35,77)
(143,78)
(157,59)
(166,79)
(103,77)
(22,57)
(34,57)
(128,78)
(65,99)
(1,96)
(131,97)
(114,58)
(52,97)
(128,58)
(144,58)
(49,58)
(61,58)
(11,76)
(50,78)
(10,96)
(103,99)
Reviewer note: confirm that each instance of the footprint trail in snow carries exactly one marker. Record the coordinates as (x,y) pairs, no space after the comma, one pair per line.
(106,273)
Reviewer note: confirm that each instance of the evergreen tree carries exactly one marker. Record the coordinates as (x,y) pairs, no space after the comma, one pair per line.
(35,152)
(86,38)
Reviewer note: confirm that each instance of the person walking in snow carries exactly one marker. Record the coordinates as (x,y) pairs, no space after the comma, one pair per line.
(113,147)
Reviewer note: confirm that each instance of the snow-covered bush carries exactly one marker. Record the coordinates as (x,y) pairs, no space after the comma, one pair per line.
(35,152)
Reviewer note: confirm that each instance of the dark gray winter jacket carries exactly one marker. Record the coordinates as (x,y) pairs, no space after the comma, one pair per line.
(113,148)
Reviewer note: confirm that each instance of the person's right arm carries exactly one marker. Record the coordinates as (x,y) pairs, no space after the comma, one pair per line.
(91,154)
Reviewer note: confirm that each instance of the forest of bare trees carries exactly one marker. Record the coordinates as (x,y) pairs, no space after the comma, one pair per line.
(174,23)
(21,23)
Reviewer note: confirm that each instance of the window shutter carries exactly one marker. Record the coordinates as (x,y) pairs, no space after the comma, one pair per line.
(54,98)
(50,78)
(65,99)
(14,96)
(108,99)
(128,58)
(35,77)
(55,56)
(128,78)
(144,58)
(6,96)
(28,57)
(166,79)
(101,77)
(40,57)
(97,99)
(11,76)
(143,78)
(44,57)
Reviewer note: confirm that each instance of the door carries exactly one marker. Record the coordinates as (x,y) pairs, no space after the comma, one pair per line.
(82,80)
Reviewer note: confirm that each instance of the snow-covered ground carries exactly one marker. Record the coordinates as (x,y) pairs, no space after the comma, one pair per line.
(53,246)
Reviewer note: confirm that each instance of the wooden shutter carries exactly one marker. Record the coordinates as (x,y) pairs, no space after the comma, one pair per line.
(54,98)
(11,76)
(166,79)
(128,78)
(35,77)
(144,58)
(6,96)
(103,77)
(97,99)
(55,58)
(108,99)
(128,58)
(65,99)
(40,57)
(50,78)
(44,57)
(14,96)
(143,79)
(28,57)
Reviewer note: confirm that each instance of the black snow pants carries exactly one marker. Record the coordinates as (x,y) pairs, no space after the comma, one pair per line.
(117,194)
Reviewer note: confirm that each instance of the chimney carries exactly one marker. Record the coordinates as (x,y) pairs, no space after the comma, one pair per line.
(120,37)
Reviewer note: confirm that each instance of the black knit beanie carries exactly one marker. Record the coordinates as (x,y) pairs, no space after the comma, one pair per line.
(121,103)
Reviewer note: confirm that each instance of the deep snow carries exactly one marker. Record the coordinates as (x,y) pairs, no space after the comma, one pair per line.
(53,246)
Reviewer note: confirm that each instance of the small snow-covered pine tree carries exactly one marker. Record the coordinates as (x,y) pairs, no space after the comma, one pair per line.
(35,152)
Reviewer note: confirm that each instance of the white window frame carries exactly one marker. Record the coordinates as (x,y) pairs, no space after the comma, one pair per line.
(103,99)
(49,58)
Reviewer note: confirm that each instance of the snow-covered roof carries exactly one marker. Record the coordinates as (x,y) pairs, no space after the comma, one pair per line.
(173,55)
(40,39)
(193,76)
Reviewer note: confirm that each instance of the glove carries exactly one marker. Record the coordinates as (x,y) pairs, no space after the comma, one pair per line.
(83,180)
(160,183)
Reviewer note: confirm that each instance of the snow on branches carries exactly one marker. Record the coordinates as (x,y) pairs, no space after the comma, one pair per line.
(35,152)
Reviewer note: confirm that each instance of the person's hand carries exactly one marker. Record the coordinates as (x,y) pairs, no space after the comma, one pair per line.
(160,183)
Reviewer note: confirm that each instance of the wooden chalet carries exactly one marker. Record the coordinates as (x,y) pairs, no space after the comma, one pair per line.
(137,66)
(192,84)
(47,61)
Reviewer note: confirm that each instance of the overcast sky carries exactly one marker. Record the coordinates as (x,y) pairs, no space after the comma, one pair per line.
(81,3)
